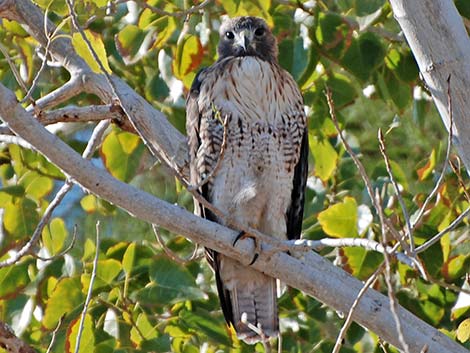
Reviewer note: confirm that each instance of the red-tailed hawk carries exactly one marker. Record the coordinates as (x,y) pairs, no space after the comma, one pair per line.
(260,179)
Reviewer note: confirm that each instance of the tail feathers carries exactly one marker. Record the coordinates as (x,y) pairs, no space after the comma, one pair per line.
(254,310)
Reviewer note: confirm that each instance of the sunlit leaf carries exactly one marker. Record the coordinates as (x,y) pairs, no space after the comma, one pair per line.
(129,43)
(324,155)
(463,331)
(106,272)
(66,297)
(121,152)
(455,267)
(20,218)
(97,44)
(188,57)
(87,338)
(128,259)
(361,262)
(54,235)
(425,171)
(340,220)
(36,186)
(143,330)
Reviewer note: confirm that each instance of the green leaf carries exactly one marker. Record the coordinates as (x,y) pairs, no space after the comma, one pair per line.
(36,186)
(8,193)
(89,203)
(143,330)
(66,297)
(87,339)
(391,88)
(362,263)
(463,331)
(128,259)
(331,33)
(20,218)
(128,42)
(204,322)
(455,267)
(342,90)
(340,220)
(58,6)
(170,283)
(54,235)
(106,272)
(188,57)
(14,278)
(324,155)
(121,152)
(81,47)
(403,65)
(364,55)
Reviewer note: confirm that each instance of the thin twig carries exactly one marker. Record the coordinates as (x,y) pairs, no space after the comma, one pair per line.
(408,231)
(13,68)
(456,170)
(63,252)
(443,232)
(54,334)
(92,145)
(50,38)
(391,294)
(368,244)
(38,231)
(90,289)
(347,323)
(171,254)
(360,167)
(185,13)
(16,140)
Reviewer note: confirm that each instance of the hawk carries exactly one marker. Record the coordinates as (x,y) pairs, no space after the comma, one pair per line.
(248,103)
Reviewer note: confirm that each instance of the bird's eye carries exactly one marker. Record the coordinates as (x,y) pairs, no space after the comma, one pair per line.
(259,32)
(229,35)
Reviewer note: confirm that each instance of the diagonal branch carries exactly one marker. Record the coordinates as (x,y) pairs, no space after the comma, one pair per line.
(297,271)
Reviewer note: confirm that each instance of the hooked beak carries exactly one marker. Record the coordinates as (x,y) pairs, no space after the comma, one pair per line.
(243,39)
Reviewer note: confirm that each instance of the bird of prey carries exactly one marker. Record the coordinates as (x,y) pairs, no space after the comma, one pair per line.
(246,102)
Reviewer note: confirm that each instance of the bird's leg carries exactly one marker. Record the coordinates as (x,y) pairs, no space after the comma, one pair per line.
(245,235)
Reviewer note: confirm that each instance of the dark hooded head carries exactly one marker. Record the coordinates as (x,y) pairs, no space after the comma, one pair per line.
(247,36)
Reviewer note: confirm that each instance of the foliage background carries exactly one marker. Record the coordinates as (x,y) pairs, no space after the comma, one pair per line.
(142,300)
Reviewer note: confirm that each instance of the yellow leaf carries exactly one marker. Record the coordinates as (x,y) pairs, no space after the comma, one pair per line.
(463,332)
(340,220)
(83,50)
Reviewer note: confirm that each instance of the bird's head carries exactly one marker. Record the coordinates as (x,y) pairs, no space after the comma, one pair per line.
(247,36)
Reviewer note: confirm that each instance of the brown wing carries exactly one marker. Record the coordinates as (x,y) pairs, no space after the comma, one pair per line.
(204,141)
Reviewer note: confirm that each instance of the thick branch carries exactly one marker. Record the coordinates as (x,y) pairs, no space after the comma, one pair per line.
(441,46)
(309,272)
(152,124)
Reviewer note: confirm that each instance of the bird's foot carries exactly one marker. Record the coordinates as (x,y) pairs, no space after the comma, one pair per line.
(244,235)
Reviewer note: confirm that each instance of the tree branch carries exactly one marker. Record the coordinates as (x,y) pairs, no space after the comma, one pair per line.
(372,311)
(436,34)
